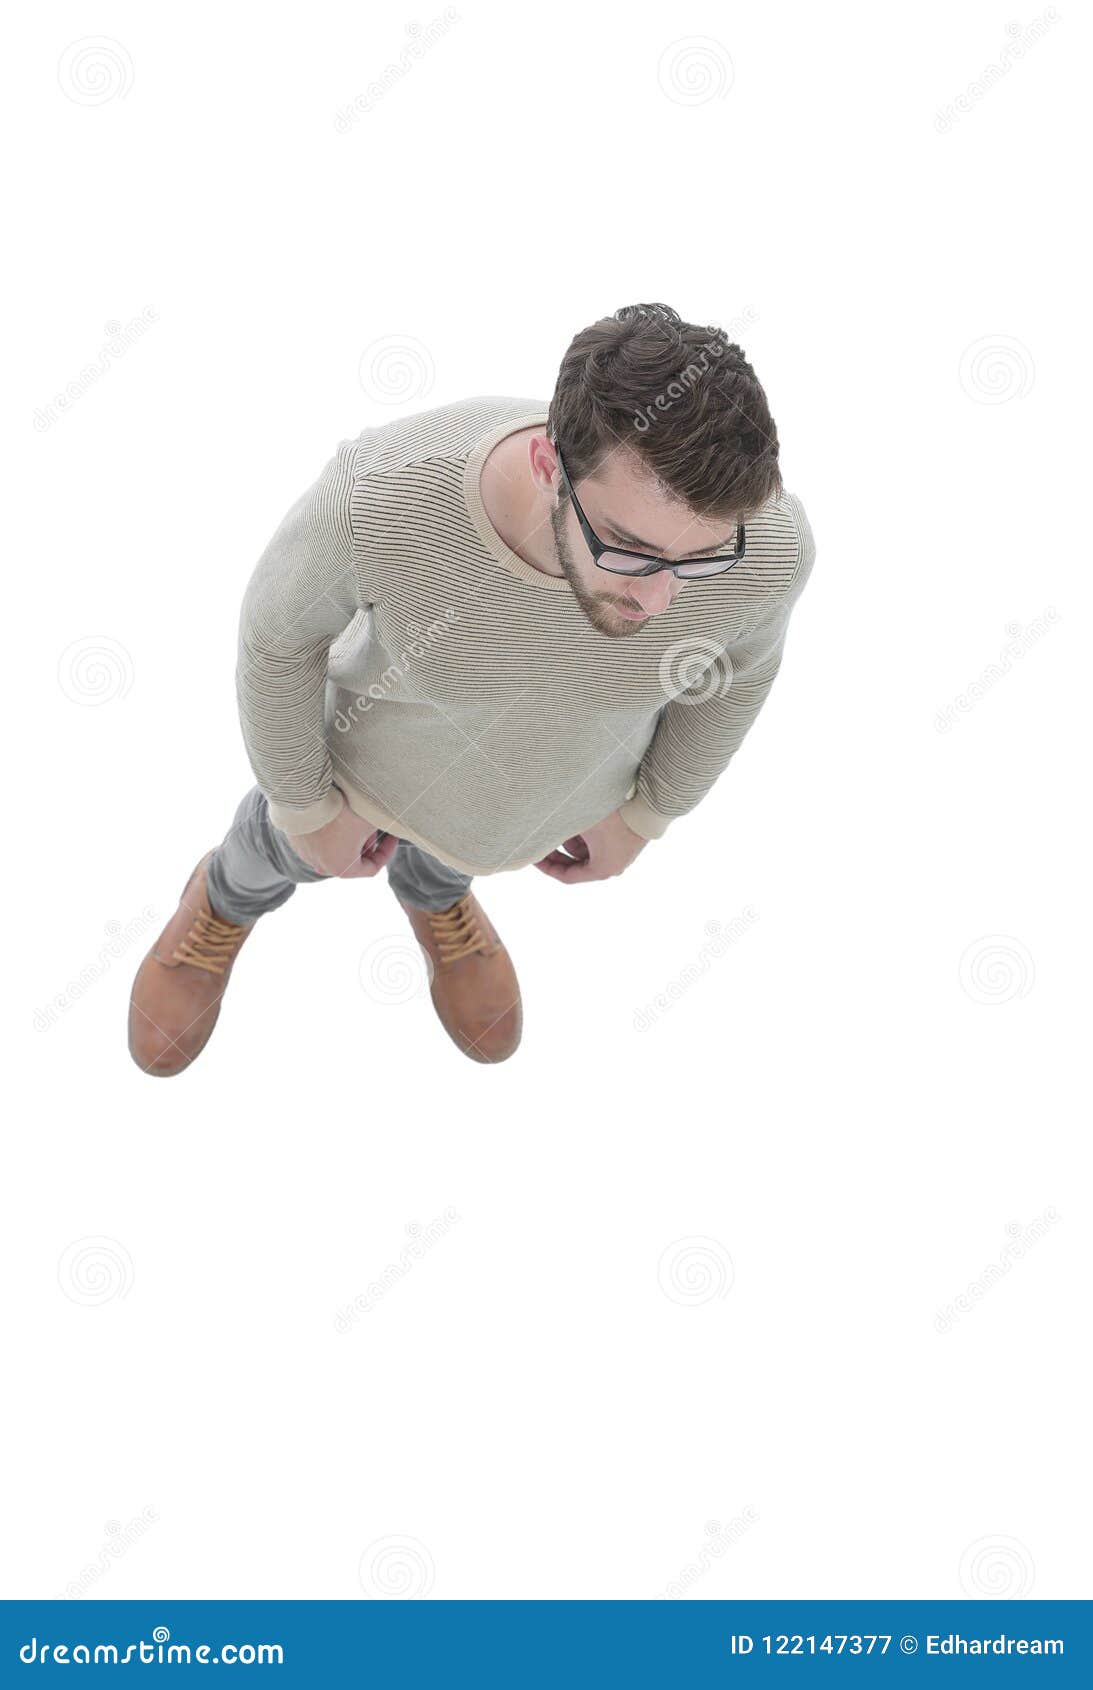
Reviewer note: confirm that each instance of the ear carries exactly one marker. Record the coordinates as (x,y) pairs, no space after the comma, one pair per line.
(543,463)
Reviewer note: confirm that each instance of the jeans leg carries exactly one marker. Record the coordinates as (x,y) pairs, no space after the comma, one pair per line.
(255,869)
(420,880)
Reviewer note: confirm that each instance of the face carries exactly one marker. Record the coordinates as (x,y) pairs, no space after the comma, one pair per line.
(627,508)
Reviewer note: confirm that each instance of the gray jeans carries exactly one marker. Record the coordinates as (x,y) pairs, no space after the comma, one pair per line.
(255,870)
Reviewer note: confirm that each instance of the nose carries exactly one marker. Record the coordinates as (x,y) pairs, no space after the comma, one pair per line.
(653,592)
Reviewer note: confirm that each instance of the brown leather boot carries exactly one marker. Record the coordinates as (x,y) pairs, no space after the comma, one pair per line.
(474,985)
(179,985)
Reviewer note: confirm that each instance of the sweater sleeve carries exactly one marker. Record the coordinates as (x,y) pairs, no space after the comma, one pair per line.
(304,592)
(700,729)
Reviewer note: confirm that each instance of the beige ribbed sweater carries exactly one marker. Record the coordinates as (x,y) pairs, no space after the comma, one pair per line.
(393,646)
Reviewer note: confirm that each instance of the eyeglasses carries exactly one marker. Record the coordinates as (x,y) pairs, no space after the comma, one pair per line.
(621,562)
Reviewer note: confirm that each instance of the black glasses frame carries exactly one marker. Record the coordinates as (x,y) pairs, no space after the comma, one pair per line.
(655,565)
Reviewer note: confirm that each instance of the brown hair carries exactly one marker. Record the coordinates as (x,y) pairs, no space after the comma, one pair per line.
(683,397)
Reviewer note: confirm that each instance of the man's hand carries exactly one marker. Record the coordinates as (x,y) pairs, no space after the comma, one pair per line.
(347,847)
(597,854)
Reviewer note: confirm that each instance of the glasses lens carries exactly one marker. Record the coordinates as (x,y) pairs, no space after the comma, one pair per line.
(705,566)
(622,563)
(626,563)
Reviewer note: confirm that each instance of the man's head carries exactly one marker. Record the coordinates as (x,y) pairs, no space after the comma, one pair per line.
(669,443)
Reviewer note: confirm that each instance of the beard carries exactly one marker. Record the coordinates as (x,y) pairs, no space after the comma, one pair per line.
(598,607)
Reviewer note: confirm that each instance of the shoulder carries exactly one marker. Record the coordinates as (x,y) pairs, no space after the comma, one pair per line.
(445,434)
(781,544)
(806,542)
(779,547)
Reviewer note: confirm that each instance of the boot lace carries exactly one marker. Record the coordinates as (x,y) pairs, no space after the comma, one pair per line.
(457,931)
(210,944)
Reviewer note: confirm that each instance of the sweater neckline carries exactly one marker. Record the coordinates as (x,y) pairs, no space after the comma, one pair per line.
(487,533)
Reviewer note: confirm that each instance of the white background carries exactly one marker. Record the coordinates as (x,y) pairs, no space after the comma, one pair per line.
(847,1109)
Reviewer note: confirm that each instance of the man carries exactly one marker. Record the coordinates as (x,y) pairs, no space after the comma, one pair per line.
(494,634)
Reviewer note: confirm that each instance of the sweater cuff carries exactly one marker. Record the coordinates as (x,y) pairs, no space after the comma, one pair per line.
(643,821)
(309,819)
